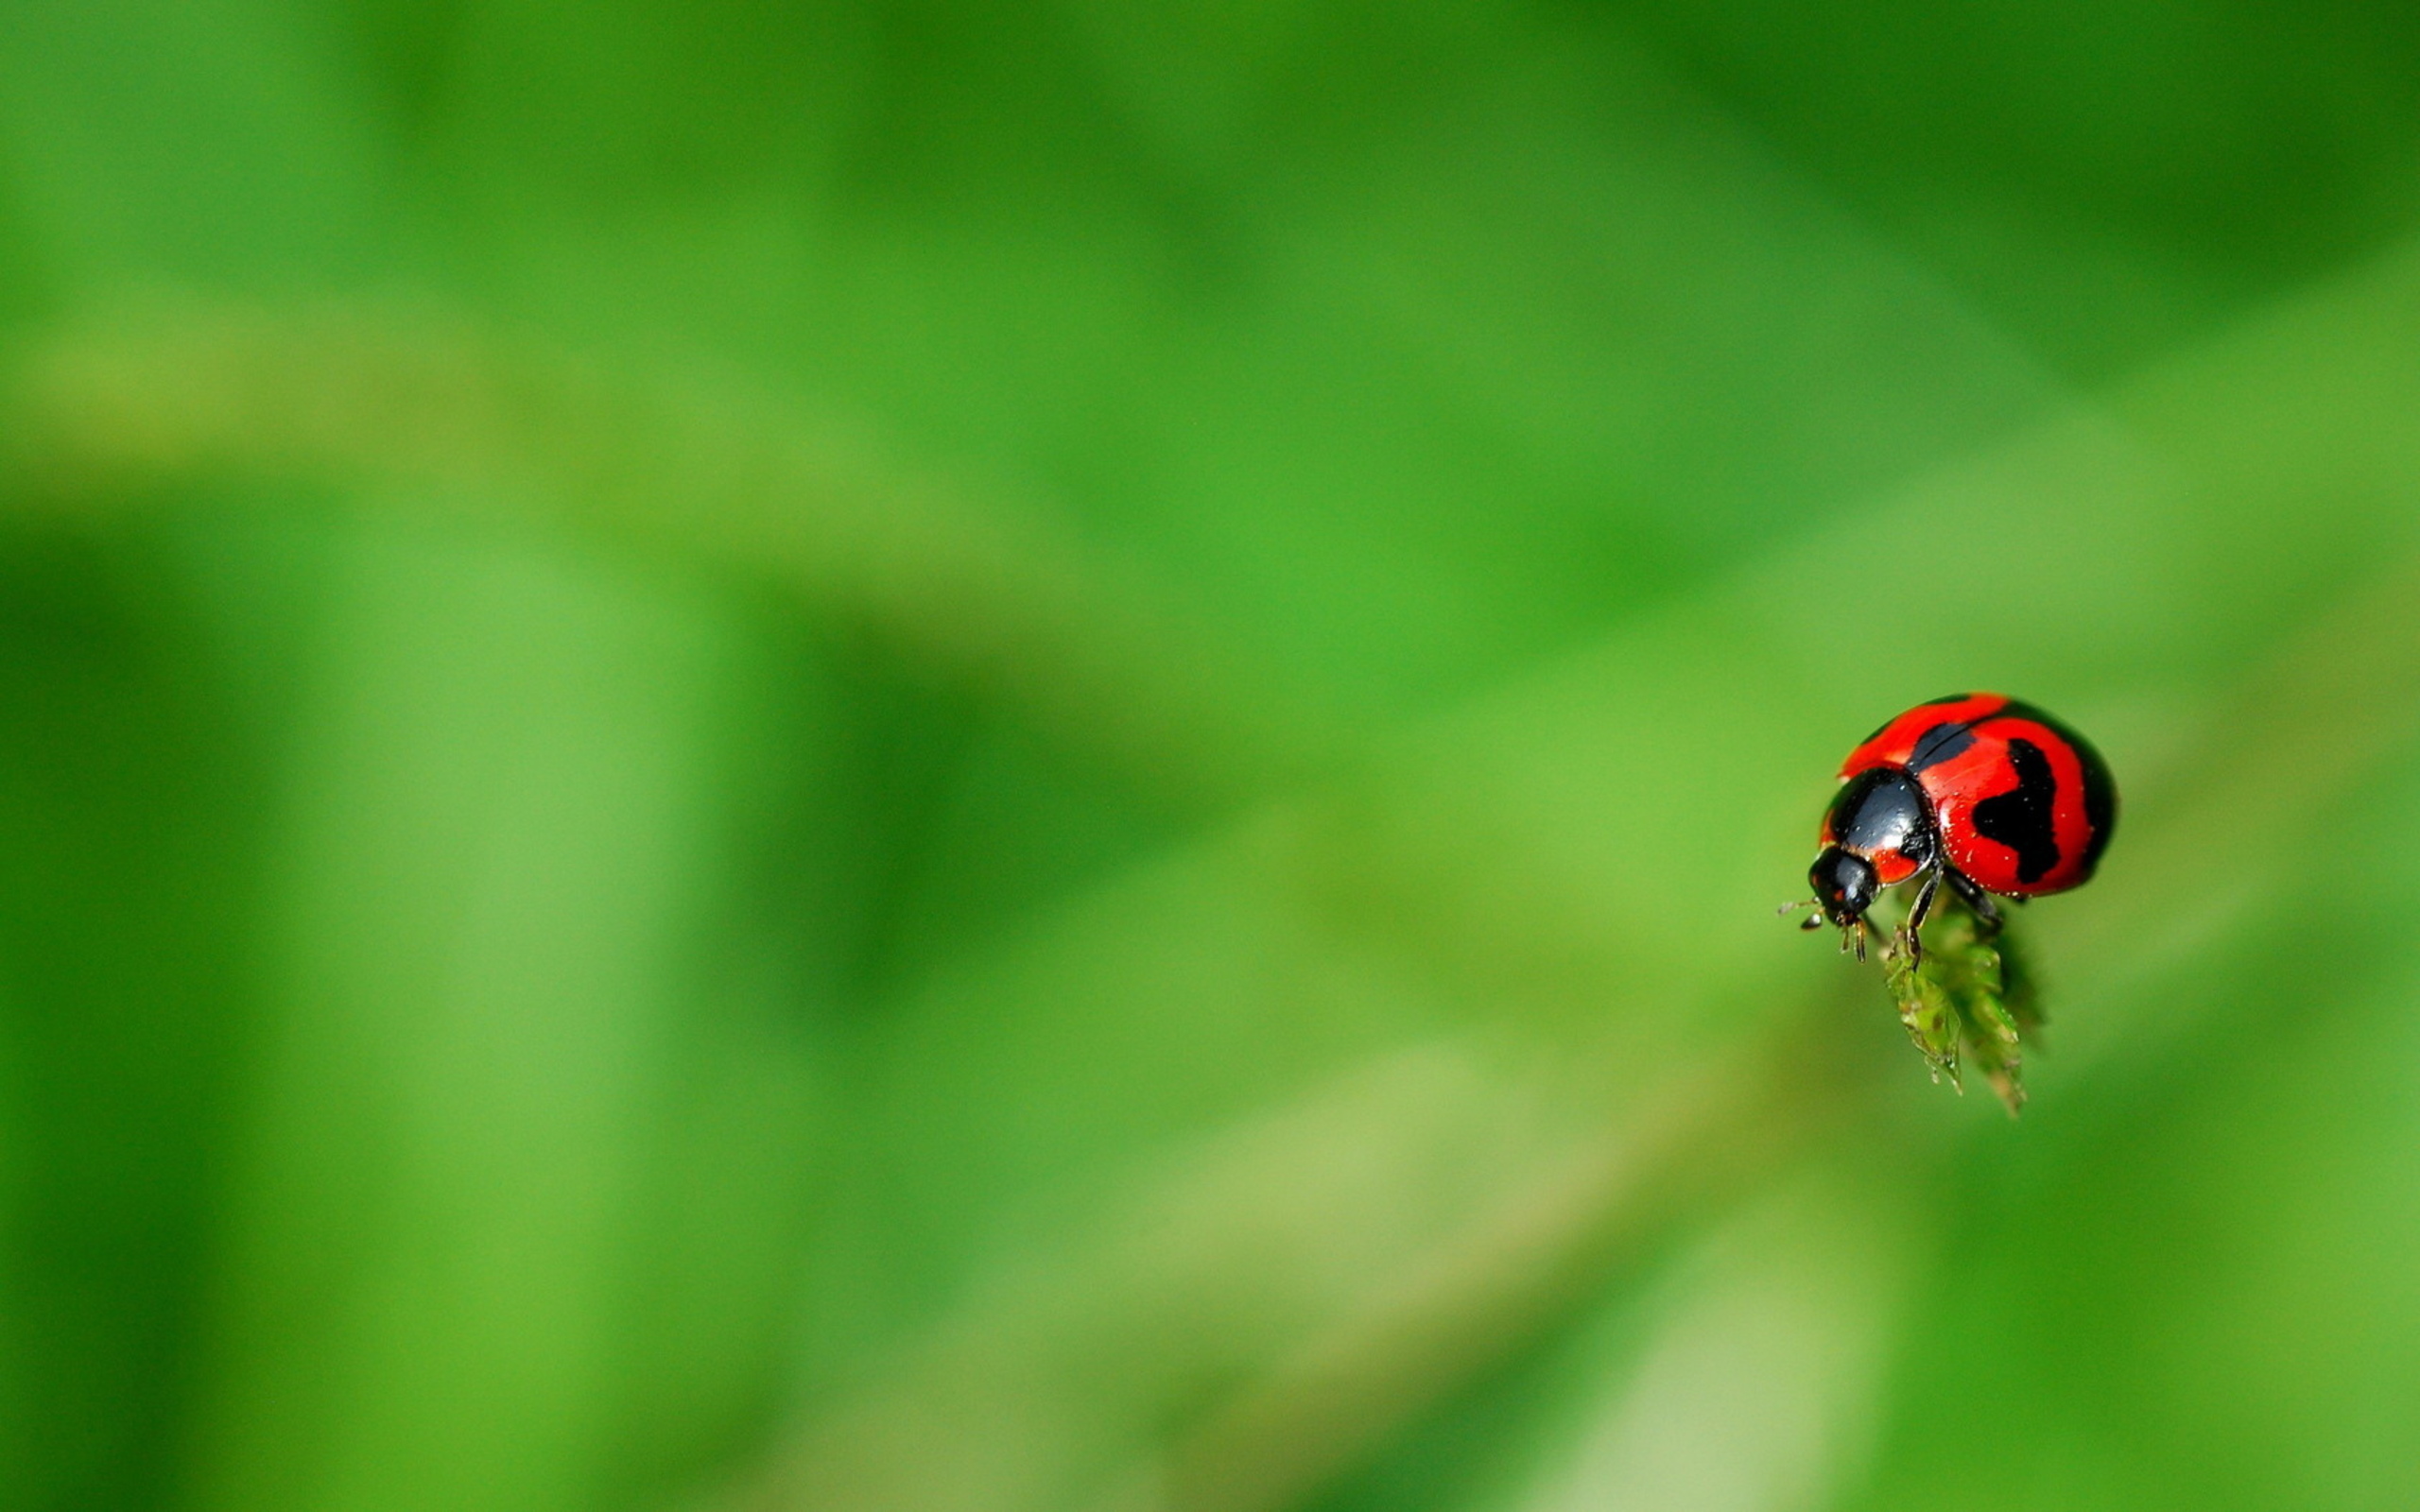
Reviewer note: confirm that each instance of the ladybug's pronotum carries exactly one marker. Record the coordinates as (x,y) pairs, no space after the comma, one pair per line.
(1976,790)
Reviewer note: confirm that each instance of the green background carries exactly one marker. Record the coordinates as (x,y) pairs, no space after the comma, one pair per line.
(957,755)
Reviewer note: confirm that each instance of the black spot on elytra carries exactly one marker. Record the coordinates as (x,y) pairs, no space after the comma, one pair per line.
(1955,697)
(2021,818)
(1939,744)
(2100,791)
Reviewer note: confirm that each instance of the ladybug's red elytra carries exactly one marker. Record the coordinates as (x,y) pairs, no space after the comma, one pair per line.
(1977,790)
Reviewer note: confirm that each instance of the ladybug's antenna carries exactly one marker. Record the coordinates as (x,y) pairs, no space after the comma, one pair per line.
(1811,922)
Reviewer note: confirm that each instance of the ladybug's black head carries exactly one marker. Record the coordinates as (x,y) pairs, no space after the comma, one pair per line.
(1846,886)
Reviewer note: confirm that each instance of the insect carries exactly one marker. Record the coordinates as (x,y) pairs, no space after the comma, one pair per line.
(1976,790)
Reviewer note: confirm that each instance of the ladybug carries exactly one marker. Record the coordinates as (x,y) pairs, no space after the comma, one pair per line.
(1977,790)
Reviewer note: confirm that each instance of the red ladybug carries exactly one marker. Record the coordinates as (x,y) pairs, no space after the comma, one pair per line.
(1977,790)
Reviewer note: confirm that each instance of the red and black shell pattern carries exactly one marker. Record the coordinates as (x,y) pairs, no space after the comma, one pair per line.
(2024,804)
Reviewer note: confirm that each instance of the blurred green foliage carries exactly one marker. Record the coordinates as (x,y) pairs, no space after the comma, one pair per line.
(957,756)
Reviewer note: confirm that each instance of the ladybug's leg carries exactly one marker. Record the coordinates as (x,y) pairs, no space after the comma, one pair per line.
(1916,912)
(1986,912)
